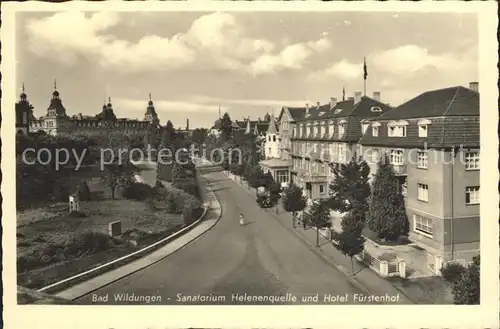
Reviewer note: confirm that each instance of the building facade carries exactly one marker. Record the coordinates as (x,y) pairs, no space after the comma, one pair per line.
(274,162)
(432,141)
(328,135)
(58,122)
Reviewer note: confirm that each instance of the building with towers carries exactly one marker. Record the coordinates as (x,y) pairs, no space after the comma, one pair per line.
(56,121)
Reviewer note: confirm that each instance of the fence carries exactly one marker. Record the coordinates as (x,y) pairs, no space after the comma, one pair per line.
(396,267)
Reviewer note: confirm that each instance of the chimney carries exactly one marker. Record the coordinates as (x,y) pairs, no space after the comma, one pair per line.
(187,124)
(307,108)
(318,104)
(474,86)
(357,97)
(376,96)
(333,102)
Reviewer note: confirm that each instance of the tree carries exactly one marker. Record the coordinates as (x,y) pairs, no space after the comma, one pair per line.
(168,137)
(387,215)
(351,241)
(178,172)
(294,200)
(320,217)
(226,127)
(118,173)
(350,187)
(254,176)
(466,290)
(275,194)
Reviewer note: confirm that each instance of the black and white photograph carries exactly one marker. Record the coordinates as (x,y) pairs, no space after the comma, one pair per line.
(218,157)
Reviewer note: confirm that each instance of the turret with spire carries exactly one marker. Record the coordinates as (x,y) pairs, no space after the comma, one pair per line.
(151,114)
(248,129)
(24,113)
(56,108)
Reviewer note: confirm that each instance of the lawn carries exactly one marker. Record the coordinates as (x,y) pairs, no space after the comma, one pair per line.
(44,232)
(54,226)
(433,290)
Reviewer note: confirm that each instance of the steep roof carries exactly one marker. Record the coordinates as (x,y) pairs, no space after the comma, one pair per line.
(453,101)
(453,114)
(271,129)
(366,107)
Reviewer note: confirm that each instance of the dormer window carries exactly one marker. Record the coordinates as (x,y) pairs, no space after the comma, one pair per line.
(375,109)
(375,128)
(342,126)
(423,127)
(397,129)
(364,126)
(337,111)
(321,113)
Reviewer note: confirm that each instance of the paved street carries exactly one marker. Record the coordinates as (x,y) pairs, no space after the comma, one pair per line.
(261,259)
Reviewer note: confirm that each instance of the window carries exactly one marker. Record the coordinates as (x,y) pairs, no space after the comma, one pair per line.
(422,160)
(375,156)
(25,118)
(269,149)
(274,138)
(404,189)
(269,138)
(422,224)
(396,157)
(321,168)
(423,192)
(364,127)
(422,130)
(322,189)
(472,195)
(397,129)
(341,129)
(472,161)
(282,176)
(375,131)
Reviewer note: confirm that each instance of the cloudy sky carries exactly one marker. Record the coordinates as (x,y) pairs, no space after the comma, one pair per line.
(246,63)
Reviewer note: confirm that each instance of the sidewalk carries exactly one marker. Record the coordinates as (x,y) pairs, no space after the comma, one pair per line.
(364,276)
(211,218)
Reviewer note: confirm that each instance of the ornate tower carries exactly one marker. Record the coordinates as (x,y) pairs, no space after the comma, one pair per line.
(272,140)
(151,115)
(56,121)
(24,114)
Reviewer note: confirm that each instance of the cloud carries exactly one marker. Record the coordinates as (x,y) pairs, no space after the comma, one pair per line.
(128,104)
(251,102)
(410,59)
(214,41)
(344,70)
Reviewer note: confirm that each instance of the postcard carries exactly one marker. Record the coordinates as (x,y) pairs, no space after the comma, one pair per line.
(241,164)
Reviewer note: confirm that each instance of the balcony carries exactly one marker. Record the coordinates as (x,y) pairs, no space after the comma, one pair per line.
(399,169)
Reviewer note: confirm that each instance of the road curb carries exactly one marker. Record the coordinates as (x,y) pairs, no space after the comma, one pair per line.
(127,259)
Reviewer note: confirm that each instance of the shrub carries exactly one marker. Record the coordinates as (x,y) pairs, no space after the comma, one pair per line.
(83,191)
(88,243)
(77,214)
(138,191)
(171,203)
(452,272)
(188,185)
(159,185)
(191,210)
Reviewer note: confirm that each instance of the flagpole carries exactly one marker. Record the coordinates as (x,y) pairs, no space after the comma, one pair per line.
(365,75)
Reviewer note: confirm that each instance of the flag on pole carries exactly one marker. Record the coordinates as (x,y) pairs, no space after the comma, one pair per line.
(364,69)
